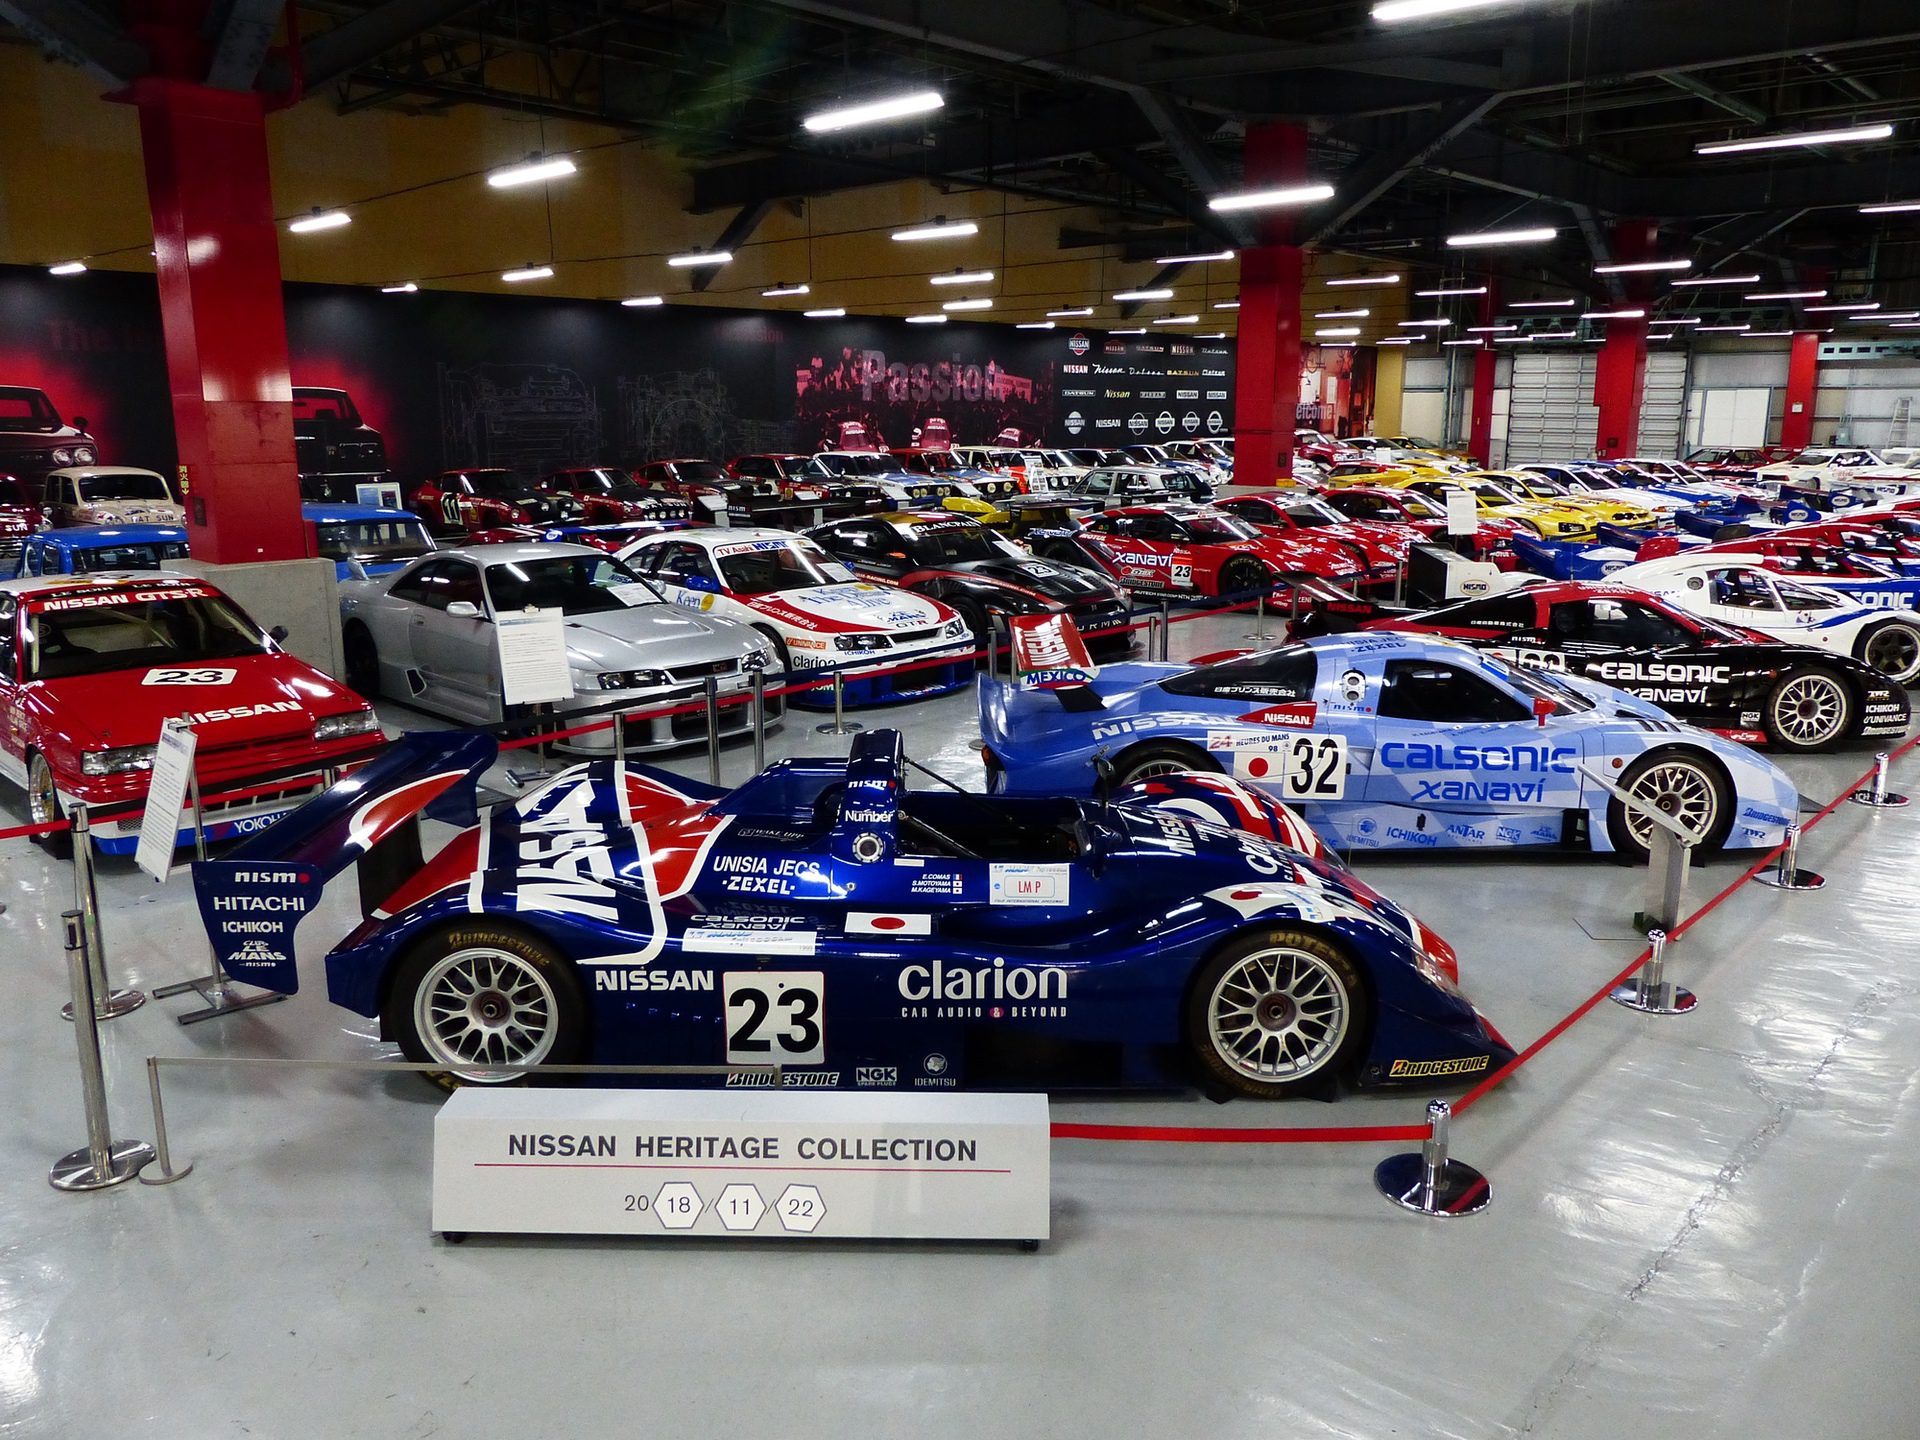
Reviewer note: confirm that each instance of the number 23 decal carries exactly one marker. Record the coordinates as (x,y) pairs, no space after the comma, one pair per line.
(776,1017)
(206,675)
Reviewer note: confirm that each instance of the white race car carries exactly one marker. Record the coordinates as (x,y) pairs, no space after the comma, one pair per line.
(813,610)
(1742,592)
(1830,468)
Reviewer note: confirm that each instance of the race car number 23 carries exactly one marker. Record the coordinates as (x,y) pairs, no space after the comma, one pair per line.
(200,675)
(776,1017)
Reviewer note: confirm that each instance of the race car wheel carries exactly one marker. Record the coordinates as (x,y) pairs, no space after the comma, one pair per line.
(1275,1012)
(1679,783)
(1062,552)
(43,807)
(475,997)
(363,662)
(979,623)
(1893,648)
(1809,710)
(1244,575)
(1145,761)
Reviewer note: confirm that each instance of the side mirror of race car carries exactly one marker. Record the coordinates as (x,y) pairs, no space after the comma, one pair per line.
(463,610)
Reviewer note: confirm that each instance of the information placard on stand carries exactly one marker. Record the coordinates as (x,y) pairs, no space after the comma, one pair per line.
(846,1165)
(533,656)
(1463,516)
(166,794)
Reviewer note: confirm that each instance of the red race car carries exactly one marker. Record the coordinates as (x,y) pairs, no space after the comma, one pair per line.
(788,475)
(20,516)
(1193,550)
(1380,547)
(607,496)
(91,665)
(457,501)
(1492,538)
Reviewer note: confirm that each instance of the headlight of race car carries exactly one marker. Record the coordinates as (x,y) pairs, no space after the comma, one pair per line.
(860,642)
(633,679)
(83,454)
(63,455)
(354,722)
(1569,527)
(955,626)
(117,762)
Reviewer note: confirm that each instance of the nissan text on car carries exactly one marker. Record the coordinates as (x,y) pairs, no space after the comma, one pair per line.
(426,636)
(91,666)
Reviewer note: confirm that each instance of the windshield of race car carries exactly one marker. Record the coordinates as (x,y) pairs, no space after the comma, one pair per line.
(762,567)
(1539,685)
(956,544)
(1218,529)
(494,484)
(597,482)
(25,409)
(128,557)
(115,634)
(125,486)
(1313,512)
(575,584)
(372,539)
(703,472)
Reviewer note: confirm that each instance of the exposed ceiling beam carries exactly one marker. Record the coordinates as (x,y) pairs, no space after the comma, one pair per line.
(1373,177)
(1162,278)
(241,32)
(1168,191)
(1189,150)
(73,31)
(332,53)
(738,231)
(1693,85)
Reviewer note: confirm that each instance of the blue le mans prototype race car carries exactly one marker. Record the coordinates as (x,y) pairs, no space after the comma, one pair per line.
(1394,742)
(826,919)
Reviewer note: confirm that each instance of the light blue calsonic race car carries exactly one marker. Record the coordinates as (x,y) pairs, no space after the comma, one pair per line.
(1393,742)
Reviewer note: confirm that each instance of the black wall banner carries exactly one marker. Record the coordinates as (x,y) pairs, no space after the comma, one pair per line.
(532,383)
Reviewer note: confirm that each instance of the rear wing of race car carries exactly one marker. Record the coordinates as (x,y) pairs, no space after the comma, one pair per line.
(252,898)
(1048,653)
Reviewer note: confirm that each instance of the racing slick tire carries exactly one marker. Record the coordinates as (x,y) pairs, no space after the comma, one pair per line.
(484,994)
(780,656)
(1062,552)
(1893,648)
(1809,709)
(1161,757)
(1685,784)
(1244,575)
(979,621)
(362,662)
(43,807)
(1276,1012)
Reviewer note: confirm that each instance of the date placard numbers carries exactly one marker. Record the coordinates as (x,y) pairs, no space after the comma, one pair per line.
(776,1017)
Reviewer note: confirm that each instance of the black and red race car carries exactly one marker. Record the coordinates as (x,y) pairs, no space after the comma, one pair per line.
(978,573)
(456,502)
(608,496)
(1732,682)
(1492,538)
(788,476)
(1380,546)
(1193,550)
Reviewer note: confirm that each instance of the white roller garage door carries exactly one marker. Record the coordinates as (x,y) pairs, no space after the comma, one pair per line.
(1552,415)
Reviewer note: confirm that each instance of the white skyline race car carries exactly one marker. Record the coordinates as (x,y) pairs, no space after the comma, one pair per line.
(813,610)
(1741,591)
(1826,469)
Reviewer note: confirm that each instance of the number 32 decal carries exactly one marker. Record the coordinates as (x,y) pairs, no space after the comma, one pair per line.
(776,1017)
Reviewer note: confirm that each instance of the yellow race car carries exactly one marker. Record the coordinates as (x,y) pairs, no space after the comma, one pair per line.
(1344,473)
(1545,490)
(1551,520)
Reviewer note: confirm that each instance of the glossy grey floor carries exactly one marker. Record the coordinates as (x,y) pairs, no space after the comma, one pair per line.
(1702,1226)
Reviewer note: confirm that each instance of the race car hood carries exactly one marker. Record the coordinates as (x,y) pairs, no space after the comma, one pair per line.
(1303,550)
(1056,582)
(837,609)
(268,698)
(650,636)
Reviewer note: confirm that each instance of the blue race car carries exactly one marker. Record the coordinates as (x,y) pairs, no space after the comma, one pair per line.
(87,549)
(1570,559)
(1395,742)
(826,919)
(366,540)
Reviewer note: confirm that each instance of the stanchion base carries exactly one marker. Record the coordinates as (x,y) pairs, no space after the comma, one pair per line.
(1462,1190)
(1664,999)
(1260,635)
(76,1172)
(1888,801)
(221,998)
(114,1004)
(844,728)
(149,1177)
(1793,880)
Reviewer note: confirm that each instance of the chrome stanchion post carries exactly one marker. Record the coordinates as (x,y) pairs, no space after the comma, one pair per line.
(619,740)
(712,687)
(759,718)
(1166,626)
(103,1161)
(1877,795)
(1650,992)
(1789,875)
(107,1002)
(1259,631)
(166,1173)
(1428,1181)
(1399,582)
(839,725)
(199,814)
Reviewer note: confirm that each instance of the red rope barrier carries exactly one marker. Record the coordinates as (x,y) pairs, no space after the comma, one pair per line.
(1202,1135)
(46,828)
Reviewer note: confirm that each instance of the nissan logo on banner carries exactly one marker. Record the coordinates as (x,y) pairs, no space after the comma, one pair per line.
(1215,422)
(1190,422)
(1076,422)
(1163,422)
(1079,344)
(1137,423)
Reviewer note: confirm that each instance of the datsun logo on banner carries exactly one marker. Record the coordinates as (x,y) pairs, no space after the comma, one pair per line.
(1048,653)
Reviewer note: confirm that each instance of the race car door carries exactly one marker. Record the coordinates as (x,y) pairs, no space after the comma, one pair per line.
(452,640)
(1141,551)
(1467,759)
(13,740)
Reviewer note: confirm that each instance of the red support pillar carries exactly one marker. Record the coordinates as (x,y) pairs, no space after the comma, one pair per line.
(1267,363)
(222,314)
(1480,427)
(1620,378)
(1796,424)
